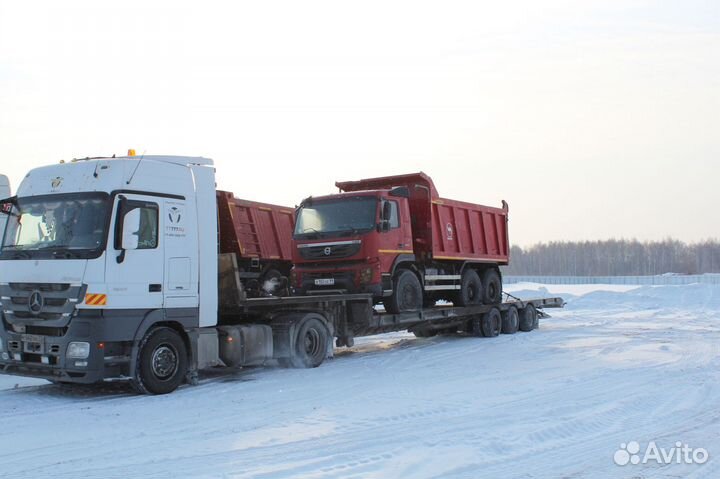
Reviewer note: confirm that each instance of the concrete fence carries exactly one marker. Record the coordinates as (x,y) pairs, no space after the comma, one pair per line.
(640,280)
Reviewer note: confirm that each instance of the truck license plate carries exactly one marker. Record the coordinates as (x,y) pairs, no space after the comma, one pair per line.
(325,282)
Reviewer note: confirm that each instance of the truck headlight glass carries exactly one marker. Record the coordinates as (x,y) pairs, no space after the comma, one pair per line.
(78,350)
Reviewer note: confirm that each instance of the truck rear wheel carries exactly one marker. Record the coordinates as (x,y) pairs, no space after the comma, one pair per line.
(407,294)
(528,318)
(310,345)
(492,287)
(471,289)
(491,323)
(510,321)
(162,362)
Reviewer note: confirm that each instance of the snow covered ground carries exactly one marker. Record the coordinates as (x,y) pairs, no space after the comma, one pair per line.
(619,364)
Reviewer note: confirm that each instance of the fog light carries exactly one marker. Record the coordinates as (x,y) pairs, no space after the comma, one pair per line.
(17,357)
(80,364)
(366,275)
(5,356)
(45,360)
(78,350)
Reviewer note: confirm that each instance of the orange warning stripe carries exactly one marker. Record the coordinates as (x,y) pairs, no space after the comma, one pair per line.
(96,299)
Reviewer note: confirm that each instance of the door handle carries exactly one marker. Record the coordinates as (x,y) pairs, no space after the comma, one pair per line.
(155,288)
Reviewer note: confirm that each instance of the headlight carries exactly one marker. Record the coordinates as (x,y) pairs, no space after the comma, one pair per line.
(366,275)
(78,350)
(2,346)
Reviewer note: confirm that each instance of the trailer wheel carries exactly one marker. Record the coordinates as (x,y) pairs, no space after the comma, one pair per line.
(491,323)
(162,362)
(510,321)
(492,287)
(310,345)
(471,289)
(528,318)
(407,294)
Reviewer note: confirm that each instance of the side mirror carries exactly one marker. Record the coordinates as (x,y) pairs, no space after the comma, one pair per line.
(131,230)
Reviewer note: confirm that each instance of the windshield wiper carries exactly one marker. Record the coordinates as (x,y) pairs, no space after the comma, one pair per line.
(65,253)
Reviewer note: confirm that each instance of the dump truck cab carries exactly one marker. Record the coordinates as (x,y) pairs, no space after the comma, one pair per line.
(348,242)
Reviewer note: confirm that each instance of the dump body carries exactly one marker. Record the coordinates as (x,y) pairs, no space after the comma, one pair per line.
(259,234)
(445,229)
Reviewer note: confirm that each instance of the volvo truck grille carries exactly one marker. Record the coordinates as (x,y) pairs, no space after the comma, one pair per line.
(340,249)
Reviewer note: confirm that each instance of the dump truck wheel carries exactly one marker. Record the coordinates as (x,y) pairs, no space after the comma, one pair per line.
(510,321)
(407,294)
(162,362)
(528,318)
(471,289)
(492,287)
(310,345)
(491,323)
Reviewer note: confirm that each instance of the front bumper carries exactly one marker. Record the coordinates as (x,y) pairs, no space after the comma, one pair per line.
(43,353)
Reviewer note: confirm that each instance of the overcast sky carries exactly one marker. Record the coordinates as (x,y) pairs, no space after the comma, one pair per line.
(593,119)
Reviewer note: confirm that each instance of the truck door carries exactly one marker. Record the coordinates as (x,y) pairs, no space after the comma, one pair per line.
(181,254)
(134,277)
(397,238)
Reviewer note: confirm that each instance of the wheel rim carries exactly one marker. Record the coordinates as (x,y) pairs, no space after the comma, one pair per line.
(164,361)
(409,297)
(492,290)
(312,342)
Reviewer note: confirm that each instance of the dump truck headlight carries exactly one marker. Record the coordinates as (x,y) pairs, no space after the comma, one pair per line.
(78,350)
(2,345)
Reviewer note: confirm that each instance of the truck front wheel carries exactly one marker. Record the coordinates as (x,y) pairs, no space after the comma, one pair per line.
(407,294)
(162,362)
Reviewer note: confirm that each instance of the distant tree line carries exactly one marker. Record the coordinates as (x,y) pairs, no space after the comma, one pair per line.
(615,258)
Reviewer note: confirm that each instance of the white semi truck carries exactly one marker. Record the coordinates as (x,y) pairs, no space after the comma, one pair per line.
(109,269)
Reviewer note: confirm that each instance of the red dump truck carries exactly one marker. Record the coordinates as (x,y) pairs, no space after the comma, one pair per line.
(396,238)
(259,235)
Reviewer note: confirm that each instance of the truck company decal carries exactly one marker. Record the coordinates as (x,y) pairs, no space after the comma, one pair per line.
(175,216)
(449,230)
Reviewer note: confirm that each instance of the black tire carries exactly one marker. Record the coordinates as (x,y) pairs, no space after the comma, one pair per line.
(492,287)
(491,323)
(161,363)
(310,344)
(407,294)
(471,289)
(510,321)
(528,318)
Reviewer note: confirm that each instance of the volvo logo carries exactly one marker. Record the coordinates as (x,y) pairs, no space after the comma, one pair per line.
(327,251)
(36,302)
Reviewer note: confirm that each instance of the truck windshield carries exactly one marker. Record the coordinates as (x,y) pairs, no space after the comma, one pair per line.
(340,216)
(56,226)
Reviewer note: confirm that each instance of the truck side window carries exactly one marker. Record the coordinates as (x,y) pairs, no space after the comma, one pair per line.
(149,223)
(394,215)
(148,233)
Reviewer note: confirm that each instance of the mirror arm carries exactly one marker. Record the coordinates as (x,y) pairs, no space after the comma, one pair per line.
(121,257)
